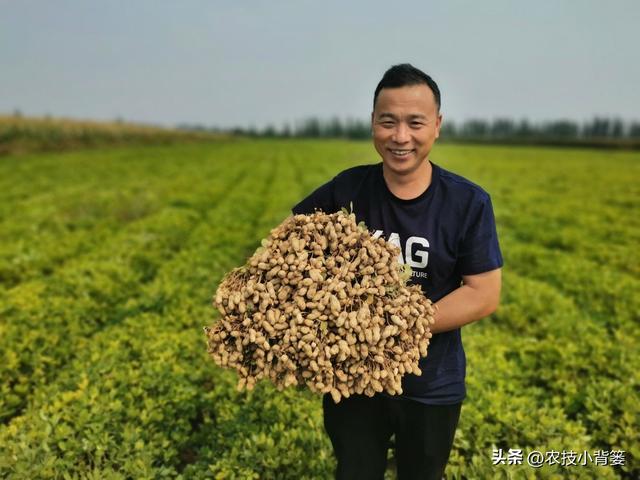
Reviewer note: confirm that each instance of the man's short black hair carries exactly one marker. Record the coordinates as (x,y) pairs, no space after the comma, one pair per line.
(405,75)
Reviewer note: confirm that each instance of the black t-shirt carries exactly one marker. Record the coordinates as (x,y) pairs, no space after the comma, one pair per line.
(446,232)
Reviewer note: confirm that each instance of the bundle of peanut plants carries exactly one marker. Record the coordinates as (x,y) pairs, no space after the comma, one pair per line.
(322,304)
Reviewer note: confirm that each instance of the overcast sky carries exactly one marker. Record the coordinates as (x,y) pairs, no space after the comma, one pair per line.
(227,63)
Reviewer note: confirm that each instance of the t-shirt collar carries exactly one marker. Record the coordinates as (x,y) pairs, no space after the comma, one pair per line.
(435,175)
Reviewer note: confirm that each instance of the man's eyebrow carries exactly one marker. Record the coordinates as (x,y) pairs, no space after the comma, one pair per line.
(411,116)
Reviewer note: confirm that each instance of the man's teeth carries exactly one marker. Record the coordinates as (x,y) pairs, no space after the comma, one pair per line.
(400,152)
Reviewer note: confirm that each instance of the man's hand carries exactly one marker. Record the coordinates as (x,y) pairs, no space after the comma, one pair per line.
(478,297)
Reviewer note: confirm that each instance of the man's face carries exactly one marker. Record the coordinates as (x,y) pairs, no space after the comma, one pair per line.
(405,123)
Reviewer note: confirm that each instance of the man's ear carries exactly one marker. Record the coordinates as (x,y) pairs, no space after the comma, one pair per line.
(371,123)
(438,125)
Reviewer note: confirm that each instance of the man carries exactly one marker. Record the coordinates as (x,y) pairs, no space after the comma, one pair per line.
(445,228)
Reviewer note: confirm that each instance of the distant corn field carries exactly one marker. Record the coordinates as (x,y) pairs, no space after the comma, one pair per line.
(27,134)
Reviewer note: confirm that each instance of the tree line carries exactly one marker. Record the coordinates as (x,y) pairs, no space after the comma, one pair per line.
(605,129)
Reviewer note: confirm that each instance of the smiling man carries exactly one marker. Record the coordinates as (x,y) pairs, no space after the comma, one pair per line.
(445,229)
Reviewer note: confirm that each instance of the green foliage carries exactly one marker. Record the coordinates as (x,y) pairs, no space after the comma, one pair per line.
(109,260)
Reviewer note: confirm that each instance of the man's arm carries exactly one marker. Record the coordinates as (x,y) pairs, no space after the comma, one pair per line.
(478,297)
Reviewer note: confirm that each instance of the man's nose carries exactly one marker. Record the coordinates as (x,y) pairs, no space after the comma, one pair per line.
(401,133)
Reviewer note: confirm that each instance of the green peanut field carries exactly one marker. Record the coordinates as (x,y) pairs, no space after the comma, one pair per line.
(109,259)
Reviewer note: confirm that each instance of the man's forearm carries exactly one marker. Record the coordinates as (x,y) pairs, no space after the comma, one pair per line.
(462,306)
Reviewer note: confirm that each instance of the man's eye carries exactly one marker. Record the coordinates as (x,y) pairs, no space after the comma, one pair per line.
(387,124)
(416,124)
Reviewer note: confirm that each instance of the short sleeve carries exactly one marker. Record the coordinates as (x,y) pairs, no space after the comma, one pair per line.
(321,198)
(479,248)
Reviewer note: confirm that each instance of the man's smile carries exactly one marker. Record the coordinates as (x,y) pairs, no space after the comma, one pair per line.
(400,153)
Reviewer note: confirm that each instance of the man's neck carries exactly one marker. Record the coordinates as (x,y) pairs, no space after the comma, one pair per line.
(412,185)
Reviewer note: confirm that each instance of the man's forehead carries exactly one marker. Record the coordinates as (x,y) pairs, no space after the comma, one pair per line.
(408,100)
(395,116)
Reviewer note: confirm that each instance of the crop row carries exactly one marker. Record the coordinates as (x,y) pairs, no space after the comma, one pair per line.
(42,232)
(47,320)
